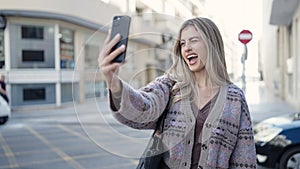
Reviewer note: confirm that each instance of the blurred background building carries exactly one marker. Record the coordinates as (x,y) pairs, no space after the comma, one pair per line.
(49,49)
(280,48)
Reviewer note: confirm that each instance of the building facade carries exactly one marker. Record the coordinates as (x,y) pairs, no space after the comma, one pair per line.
(49,50)
(280,48)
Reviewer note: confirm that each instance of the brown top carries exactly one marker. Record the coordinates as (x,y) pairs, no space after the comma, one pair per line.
(200,119)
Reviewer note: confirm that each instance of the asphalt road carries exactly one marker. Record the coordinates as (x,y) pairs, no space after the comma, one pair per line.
(57,140)
(74,137)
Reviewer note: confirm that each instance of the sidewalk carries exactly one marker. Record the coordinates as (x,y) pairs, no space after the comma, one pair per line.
(263,103)
(92,111)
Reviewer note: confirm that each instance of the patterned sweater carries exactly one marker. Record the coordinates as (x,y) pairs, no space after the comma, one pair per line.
(226,138)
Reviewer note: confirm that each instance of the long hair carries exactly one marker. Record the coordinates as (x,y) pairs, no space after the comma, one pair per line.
(215,64)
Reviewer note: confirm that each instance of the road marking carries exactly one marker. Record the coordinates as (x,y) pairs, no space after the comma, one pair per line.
(63,155)
(8,153)
(33,162)
(74,132)
(118,165)
(105,142)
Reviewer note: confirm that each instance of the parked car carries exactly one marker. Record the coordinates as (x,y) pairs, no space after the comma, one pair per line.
(4,111)
(277,142)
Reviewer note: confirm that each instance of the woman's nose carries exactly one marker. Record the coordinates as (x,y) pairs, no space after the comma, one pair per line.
(187,47)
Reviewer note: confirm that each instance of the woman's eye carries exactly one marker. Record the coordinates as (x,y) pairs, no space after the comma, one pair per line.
(182,43)
(194,40)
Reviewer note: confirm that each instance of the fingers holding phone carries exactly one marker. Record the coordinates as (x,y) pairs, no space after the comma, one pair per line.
(107,55)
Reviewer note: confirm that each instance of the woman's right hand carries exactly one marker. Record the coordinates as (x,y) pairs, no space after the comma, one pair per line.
(109,68)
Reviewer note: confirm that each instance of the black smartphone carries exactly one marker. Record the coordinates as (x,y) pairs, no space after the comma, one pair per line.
(121,25)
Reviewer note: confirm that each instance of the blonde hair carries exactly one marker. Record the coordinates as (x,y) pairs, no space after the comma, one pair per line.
(215,63)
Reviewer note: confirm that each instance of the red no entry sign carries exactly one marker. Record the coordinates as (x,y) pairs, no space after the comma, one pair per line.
(245,36)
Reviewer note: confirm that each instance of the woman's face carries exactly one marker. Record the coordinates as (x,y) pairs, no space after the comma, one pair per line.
(193,49)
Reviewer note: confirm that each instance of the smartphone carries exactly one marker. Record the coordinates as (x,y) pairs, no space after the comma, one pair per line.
(121,25)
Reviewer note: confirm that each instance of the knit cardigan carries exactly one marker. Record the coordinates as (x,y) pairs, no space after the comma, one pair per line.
(227,135)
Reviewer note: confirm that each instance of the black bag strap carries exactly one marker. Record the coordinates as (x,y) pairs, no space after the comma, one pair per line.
(160,122)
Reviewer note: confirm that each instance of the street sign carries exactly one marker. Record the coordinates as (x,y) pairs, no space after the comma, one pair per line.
(245,36)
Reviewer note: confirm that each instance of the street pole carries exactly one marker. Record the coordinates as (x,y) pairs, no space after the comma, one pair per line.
(245,36)
(243,60)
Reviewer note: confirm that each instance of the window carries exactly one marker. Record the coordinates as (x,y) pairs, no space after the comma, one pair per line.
(2,58)
(291,56)
(69,92)
(32,32)
(90,52)
(33,56)
(67,48)
(278,49)
(94,89)
(34,94)
(32,46)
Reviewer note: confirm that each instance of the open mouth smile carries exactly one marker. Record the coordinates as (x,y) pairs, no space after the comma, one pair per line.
(192,58)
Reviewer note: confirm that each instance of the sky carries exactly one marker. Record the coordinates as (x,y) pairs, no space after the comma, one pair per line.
(235,16)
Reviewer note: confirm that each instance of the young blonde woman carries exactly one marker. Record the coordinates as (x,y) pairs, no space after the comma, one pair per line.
(208,123)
